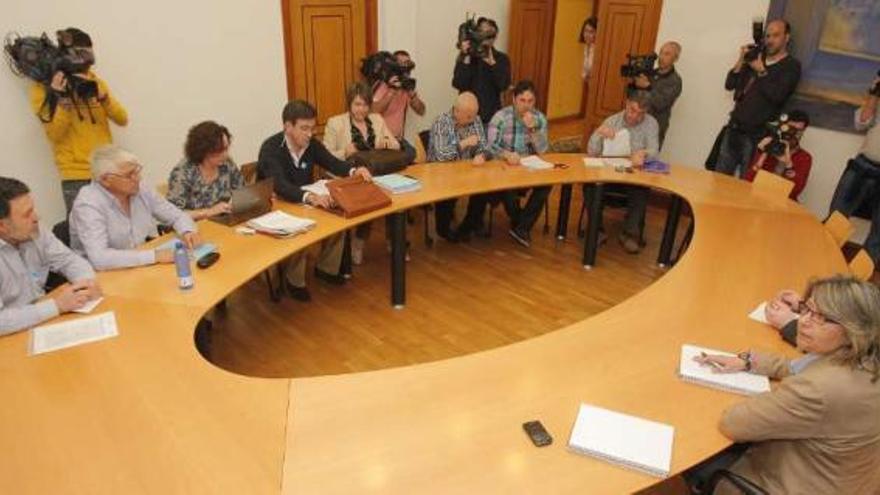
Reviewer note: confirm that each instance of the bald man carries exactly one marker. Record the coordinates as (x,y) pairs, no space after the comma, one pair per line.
(456,134)
(664,86)
(761,87)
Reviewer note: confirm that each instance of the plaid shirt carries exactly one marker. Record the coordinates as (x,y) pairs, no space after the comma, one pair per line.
(507,132)
(445,136)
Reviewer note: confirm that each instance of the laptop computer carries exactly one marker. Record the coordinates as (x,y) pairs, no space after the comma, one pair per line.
(248,202)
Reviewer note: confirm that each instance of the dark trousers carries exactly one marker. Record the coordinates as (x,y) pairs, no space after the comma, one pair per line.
(443,213)
(636,207)
(70,188)
(860,182)
(521,218)
(735,150)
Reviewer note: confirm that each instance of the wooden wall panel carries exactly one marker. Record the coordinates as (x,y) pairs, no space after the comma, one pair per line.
(531,44)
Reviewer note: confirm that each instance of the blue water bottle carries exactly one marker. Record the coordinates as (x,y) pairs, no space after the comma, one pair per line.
(184,271)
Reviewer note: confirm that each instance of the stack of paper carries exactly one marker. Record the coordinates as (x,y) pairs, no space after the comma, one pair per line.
(534,162)
(281,224)
(398,183)
(319,188)
(623,439)
(740,382)
(71,333)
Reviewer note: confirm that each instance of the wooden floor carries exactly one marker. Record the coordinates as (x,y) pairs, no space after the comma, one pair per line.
(461,299)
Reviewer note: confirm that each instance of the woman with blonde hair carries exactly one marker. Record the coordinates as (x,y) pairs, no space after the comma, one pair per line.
(819,430)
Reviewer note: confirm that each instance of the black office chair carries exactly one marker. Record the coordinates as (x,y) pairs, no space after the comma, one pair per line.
(62,232)
(744,485)
(613,196)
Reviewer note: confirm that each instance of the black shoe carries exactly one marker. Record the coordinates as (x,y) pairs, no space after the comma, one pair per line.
(329,278)
(300,294)
(521,237)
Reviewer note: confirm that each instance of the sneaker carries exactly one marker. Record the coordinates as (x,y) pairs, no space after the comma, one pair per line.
(630,244)
(521,237)
(300,294)
(329,278)
(357,251)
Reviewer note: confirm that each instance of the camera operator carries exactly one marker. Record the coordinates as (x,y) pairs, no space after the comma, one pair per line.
(391,101)
(487,76)
(663,85)
(860,180)
(75,125)
(761,87)
(787,159)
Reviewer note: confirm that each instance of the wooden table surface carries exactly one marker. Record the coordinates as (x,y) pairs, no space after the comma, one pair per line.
(145,413)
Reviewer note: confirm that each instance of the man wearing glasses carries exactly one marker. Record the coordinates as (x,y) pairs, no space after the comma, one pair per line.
(484,71)
(114,215)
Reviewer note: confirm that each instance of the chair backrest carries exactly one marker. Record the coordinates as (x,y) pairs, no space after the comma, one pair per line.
(62,232)
(249,172)
(421,150)
(425,139)
(839,227)
(862,266)
(772,184)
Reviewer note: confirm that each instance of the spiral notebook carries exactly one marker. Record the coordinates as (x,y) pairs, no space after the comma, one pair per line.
(741,383)
(622,439)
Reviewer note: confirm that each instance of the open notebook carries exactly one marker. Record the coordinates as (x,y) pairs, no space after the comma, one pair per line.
(281,224)
(623,439)
(740,383)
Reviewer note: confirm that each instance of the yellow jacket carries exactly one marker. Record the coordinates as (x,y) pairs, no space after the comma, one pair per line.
(73,136)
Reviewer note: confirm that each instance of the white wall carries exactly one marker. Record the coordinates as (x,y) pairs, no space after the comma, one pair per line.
(170,63)
(427,30)
(711,33)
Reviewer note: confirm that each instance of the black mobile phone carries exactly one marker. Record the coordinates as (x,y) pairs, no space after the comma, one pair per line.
(536,431)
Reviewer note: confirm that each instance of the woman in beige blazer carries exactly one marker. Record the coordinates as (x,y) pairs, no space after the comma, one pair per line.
(818,431)
(353,131)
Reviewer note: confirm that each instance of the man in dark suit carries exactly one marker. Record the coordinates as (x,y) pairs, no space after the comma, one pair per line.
(289,158)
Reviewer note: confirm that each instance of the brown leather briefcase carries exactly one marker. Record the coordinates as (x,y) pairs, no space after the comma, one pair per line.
(354,196)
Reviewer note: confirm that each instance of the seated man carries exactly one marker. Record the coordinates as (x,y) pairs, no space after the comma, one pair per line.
(793,162)
(27,253)
(643,145)
(456,134)
(115,214)
(289,158)
(515,131)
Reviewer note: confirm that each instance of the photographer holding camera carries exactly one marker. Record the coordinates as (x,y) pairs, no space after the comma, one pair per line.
(391,100)
(663,85)
(763,79)
(76,110)
(780,152)
(480,68)
(860,181)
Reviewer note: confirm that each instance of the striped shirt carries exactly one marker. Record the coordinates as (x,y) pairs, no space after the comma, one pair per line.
(507,132)
(446,134)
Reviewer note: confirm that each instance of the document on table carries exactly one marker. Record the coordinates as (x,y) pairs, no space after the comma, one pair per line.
(619,145)
(740,382)
(759,314)
(319,188)
(593,162)
(534,162)
(48,338)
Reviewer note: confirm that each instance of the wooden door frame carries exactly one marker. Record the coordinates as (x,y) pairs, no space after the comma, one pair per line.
(507,94)
(371,10)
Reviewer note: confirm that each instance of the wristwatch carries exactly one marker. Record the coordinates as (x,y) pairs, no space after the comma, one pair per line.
(747,357)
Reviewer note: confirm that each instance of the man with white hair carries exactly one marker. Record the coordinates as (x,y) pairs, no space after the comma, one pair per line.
(664,86)
(456,134)
(115,214)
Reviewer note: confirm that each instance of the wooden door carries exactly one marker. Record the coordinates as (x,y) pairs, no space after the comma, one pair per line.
(625,27)
(530,45)
(325,41)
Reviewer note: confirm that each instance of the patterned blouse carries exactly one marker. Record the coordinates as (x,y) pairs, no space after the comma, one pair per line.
(187,190)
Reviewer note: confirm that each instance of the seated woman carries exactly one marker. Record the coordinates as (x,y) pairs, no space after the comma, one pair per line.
(354,131)
(202,183)
(115,214)
(819,430)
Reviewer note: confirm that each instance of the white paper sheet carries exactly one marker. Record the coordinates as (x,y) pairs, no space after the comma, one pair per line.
(319,188)
(48,338)
(618,146)
(89,306)
(759,314)
(534,162)
(740,382)
(593,162)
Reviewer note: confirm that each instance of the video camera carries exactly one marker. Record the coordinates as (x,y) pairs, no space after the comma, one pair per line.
(383,66)
(637,65)
(756,49)
(781,133)
(469,31)
(875,90)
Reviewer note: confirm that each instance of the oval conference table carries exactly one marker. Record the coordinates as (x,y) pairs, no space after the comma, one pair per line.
(145,413)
